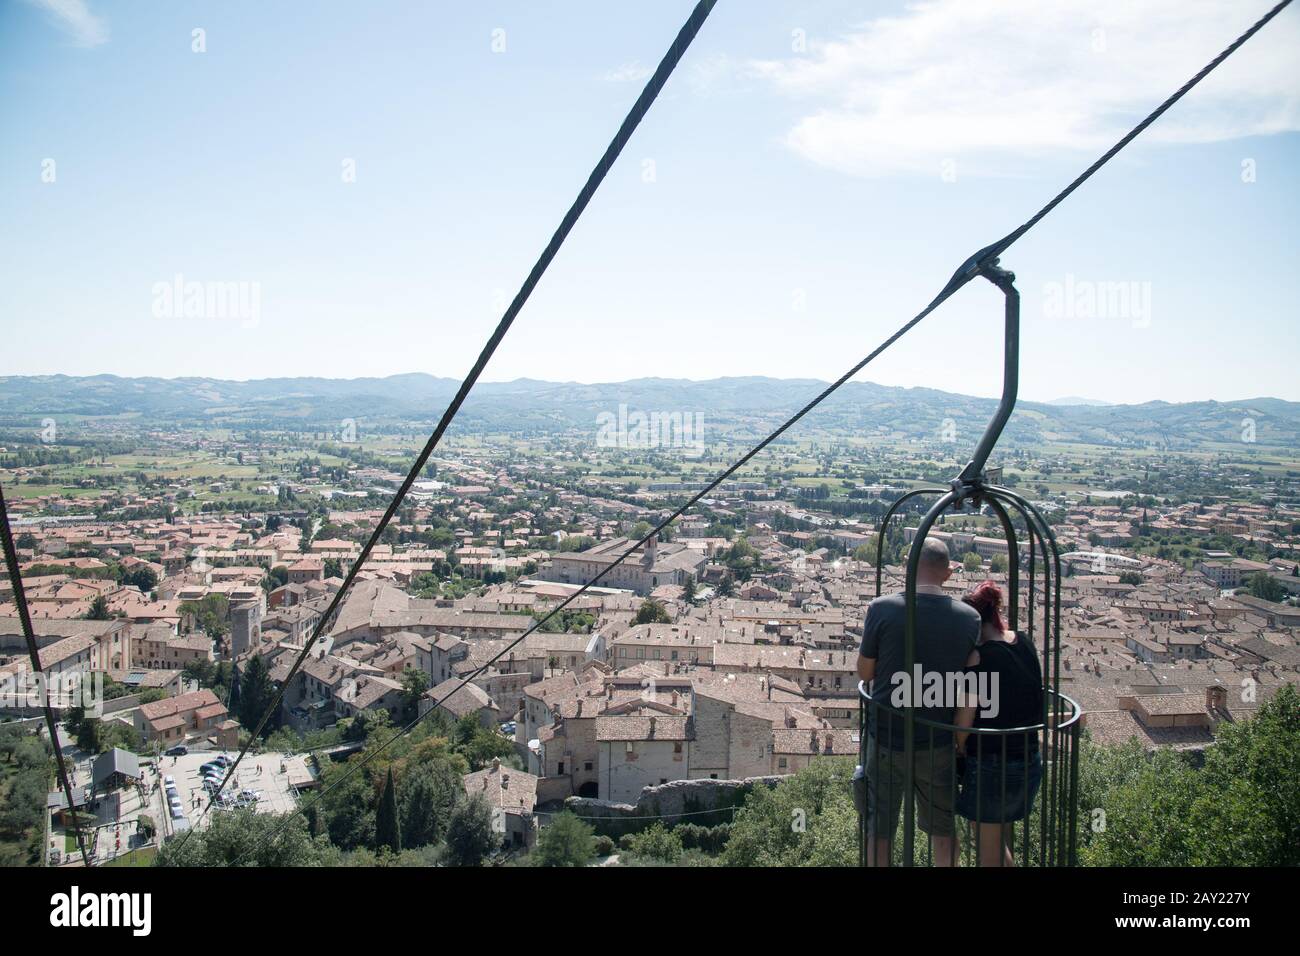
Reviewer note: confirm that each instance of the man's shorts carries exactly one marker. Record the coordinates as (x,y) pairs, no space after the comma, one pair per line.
(932,781)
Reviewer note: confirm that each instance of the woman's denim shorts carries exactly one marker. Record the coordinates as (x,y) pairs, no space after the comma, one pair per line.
(990,794)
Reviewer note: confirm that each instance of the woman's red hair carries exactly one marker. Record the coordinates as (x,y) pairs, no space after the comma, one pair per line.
(987,599)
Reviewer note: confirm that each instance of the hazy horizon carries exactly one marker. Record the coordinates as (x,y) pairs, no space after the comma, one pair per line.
(806,182)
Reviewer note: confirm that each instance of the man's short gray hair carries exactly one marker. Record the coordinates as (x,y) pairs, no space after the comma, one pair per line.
(934,554)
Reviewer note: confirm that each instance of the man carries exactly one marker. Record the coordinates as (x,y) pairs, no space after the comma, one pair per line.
(946,632)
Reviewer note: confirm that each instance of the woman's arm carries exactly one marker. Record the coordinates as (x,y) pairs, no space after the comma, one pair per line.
(965,716)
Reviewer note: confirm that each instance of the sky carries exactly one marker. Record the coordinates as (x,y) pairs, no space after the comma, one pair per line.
(373,181)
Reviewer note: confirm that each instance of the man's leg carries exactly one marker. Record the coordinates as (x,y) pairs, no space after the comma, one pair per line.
(884,801)
(935,785)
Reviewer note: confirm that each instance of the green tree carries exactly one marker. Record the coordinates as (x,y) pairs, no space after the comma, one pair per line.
(688,591)
(808,819)
(567,841)
(1263,586)
(99,609)
(470,837)
(1134,806)
(255,694)
(249,838)
(478,744)
(388,826)
(414,683)
(657,842)
(998,564)
(1247,810)
(428,794)
(651,612)
(972,562)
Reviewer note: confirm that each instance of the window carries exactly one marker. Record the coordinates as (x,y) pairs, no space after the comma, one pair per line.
(587,765)
(560,767)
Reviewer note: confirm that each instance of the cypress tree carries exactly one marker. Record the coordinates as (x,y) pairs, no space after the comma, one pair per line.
(388,832)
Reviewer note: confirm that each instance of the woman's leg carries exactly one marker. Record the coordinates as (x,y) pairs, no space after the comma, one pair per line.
(1008,844)
(990,841)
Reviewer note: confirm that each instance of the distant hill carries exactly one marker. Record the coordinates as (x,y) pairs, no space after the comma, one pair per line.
(1075,400)
(737,406)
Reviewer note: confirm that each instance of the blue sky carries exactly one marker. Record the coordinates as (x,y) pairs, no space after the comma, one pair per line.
(807,181)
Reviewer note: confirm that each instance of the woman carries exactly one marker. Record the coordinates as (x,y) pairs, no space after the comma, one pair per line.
(1002,771)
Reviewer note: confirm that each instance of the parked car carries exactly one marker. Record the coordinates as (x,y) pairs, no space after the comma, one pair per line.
(169,781)
(177,751)
(222,760)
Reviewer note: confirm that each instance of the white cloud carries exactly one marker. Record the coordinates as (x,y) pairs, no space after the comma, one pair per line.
(75,19)
(985,81)
(629,73)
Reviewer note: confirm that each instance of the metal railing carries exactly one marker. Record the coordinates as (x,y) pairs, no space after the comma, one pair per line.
(1049,748)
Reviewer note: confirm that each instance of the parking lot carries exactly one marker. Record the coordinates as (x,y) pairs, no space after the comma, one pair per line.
(271,777)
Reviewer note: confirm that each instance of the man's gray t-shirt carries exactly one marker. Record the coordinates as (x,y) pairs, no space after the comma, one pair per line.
(946,631)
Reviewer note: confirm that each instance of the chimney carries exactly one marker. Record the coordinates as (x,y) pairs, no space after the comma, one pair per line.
(496,764)
(652,726)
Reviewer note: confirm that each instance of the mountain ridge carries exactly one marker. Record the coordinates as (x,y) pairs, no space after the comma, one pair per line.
(740,404)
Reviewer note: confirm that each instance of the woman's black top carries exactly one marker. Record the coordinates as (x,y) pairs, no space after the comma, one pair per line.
(1019,698)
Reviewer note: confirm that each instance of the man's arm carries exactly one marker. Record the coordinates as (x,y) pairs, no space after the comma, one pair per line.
(869,649)
(866,668)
